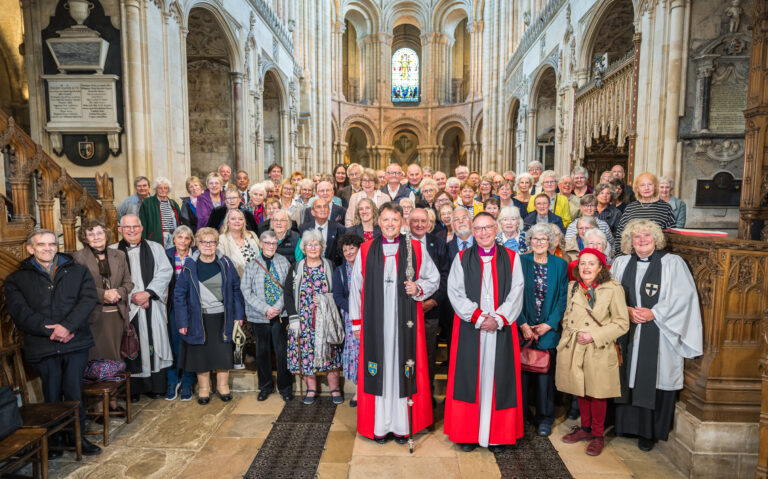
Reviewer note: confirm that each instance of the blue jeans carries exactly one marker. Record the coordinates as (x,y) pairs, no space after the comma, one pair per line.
(173,373)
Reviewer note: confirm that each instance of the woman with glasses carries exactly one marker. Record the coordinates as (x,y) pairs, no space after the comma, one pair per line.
(558,204)
(306,279)
(212,197)
(232,201)
(208,301)
(370,189)
(605,209)
(287,239)
(587,209)
(511,234)
(288,202)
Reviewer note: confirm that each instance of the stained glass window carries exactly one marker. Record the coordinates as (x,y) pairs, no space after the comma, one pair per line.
(405,76)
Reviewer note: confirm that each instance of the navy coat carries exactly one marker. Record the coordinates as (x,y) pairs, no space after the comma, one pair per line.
(530,220)
(341,287)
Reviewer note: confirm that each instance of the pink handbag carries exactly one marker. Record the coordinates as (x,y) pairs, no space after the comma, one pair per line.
(534,360)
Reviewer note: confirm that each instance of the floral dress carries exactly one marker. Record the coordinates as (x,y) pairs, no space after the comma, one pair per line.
(540,287)
(351,343)
(302,352)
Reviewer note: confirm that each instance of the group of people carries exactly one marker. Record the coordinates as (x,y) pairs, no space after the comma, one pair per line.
(538,284)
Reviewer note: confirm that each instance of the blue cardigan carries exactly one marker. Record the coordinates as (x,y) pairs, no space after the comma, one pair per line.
(341,287)
(554,300)
(188,307)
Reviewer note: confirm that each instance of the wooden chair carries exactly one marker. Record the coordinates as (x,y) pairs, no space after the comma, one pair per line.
(50,417)
(105,391)
(22,447)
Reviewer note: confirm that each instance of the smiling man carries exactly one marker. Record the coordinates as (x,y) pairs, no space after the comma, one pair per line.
(382,302)
(483,403)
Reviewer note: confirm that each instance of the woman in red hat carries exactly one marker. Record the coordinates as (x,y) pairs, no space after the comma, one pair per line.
(587,357)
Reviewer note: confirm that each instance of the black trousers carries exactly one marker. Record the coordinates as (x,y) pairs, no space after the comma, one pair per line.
(545,393)
(268,336)
(61,375)
(430,332)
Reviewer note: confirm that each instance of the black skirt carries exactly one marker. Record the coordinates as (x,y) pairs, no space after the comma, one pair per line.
(214,353)
(648,423)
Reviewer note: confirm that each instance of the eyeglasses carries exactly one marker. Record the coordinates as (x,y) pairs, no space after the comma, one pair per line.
(539,240)
(588,206)
(484,229)
(207,243)
(130,228)
(269,243)
(275,220)
(394,173)
(312,245)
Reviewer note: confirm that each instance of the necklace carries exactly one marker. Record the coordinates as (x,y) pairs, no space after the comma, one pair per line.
(485,285)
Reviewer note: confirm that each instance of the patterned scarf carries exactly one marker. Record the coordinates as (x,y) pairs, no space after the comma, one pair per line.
(589,291)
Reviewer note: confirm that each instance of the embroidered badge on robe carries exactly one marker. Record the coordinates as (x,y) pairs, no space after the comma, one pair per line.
(373,368)
(651,289)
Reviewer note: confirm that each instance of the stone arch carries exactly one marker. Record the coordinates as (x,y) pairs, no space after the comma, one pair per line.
(401,124)
(357,146)
(405,146)
(543,101)
(405,12)
(607,11)
(363,14)
(511,141)
(448,122)
(448,14)
(362,122)
(227,27)
(274,122)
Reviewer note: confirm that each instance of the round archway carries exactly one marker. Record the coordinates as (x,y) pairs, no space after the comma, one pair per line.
(273,113)
(454,153)
(405,150)
(544,128)
(357,148)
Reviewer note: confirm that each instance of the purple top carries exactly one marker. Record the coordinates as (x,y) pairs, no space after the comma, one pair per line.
(205,206)
(490,252)
(392,241)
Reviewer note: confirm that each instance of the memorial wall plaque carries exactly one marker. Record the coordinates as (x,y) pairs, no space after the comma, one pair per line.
(728,99)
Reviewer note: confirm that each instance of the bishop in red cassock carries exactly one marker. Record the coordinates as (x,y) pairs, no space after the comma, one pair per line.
(381,304)
(483,403)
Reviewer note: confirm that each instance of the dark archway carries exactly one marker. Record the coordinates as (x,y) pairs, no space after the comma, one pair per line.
(454,153)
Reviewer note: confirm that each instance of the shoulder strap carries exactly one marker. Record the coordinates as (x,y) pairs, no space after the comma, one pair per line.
(270,274)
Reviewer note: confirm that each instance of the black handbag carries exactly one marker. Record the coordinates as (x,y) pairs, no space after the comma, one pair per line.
(10,418)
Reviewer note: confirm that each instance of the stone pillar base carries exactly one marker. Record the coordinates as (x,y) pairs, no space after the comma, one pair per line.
(711,449)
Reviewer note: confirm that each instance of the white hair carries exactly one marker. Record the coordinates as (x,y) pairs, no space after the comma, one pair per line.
(309,236)
(161,180)
(510,212)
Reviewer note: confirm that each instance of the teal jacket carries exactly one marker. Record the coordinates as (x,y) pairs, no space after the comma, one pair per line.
(149,215)
(554,300)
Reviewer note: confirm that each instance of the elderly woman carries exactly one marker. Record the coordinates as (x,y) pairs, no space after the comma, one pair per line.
(665,329)
(546,282)
(112,278)
(306,280)
(342,276)
(605,210)
(257,193)
(262,287)
(238,244)
(467,199)
(485,189)
(587,208)
(648,206)
(523,196)
(370,185)
(542,214)
(510,234)
(207,302)
(159,215)
(366,220)
(288,202)
(183,240)
(212,197)
(407,205)
(587,356)
(558,203)
(678,206)
(428,193)
(232,201)
(445,218)
(578,242)
(189,203)
(287,239)
(354,171)
(453,187)
(505,191)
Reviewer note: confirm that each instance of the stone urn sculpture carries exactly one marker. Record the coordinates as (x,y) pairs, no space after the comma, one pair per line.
(79,10)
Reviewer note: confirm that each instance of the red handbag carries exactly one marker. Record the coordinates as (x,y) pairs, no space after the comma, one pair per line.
(534,360)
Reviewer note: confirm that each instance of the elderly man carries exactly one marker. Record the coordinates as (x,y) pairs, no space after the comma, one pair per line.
(242,182)
(427,172)
(387,317)
(325,192)
(535,169)
(510,176)
(150,272)
(440,178)
(483,402)
(330,229)
(393,188)
(618,173)
(381,175)
(415,176)
(131,205)
(225,171)
(462,232)
(354,172)
(453,186)
(438,251)
(461,172)
(50,299)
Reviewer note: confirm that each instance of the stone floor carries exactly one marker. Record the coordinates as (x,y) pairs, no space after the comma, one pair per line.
(185,440)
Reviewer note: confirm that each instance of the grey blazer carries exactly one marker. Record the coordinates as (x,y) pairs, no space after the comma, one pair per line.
(252,286)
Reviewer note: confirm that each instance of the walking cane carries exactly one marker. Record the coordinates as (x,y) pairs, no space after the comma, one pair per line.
(410,364)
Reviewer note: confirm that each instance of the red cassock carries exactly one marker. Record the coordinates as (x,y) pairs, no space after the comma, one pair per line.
(422,400)
(462,419)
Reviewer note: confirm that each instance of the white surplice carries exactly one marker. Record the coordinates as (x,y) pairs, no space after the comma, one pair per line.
(391,409)
(678,318)
(510,309)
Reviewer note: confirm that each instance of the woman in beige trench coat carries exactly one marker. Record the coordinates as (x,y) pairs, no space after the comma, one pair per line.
(587,358)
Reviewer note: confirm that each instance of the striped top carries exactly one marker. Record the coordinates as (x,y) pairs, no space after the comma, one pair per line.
(168,217)
(660,212)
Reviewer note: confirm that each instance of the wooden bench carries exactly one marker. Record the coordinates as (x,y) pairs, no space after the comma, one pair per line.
(104,391)
(22,447)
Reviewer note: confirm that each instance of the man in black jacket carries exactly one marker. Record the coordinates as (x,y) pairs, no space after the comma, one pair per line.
(418,221)
(50,299)
(331,230)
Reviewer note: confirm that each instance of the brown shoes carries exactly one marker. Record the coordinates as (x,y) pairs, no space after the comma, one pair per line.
(595,446)
(577,434)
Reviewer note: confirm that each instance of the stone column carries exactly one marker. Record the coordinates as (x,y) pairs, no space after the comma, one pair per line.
(134,91)
(368,62)
(337,67)
(446,60)
(531,140)
(238,127)
(383,74)
(476,66)
(428,76)
(674,75)
(704,70)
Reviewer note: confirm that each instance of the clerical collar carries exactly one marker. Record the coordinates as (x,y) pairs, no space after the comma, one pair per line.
(396,240)
(484,252)
(644,260)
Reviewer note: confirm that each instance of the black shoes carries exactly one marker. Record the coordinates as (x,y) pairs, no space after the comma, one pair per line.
(382,440)
(496,448)
(89,448)
(263,395)
(203,400)
(468,447)
(225,397)
(644,444)
(573,414)
(401,439)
